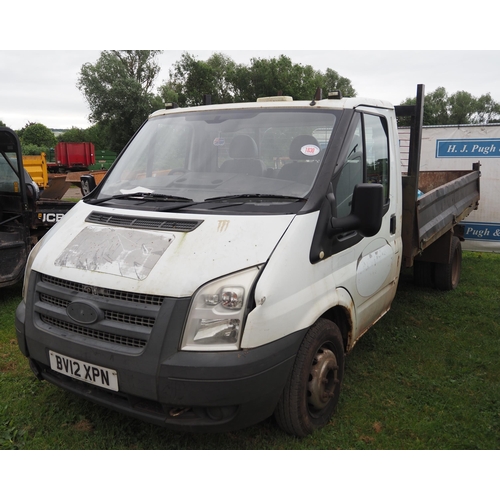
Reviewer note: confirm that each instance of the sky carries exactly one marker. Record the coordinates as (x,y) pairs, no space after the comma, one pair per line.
(384,52)
(40,85)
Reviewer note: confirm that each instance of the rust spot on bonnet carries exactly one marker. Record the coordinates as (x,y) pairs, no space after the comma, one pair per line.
(222,226)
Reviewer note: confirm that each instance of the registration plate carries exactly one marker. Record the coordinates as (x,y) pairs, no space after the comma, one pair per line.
(86,372)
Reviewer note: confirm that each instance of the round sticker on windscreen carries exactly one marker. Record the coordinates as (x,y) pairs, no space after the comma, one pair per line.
(310,150)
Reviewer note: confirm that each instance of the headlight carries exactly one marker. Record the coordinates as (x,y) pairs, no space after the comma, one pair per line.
(215,320)
(27,269)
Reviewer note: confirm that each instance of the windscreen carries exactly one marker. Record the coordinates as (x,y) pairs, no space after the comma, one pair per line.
(202,155)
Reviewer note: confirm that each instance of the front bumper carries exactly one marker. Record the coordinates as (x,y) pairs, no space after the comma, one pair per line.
(160,384)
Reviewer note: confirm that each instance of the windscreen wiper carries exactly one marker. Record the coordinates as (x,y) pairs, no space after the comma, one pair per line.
(232,201)
(142,196)
(256,195)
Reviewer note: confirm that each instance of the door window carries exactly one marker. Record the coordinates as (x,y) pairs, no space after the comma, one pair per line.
(377,152)
(366,160)
(351,172)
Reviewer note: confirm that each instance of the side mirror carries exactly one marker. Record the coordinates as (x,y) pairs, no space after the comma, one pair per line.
(88,184)
(366,212)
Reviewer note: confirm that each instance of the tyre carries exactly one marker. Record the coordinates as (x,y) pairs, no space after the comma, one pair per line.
(447,276)
(423,273)
(313,388)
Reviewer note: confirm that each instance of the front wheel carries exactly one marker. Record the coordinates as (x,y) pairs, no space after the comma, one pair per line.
(312,391)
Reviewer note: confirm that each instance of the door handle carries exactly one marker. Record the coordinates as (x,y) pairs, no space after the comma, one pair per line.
(393,224)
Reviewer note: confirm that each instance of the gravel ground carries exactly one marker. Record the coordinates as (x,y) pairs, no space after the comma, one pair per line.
(73,193)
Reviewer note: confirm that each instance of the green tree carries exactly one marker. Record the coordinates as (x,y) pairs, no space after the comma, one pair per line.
(97,136)
(266,77)
(119,92)
(190,79)
(74,134)
(33,149)
(462,107)
(93,134)
(436,107)
(37,135)
(223,77)
(227,81)
(2,124)
(333,81)
(487,111)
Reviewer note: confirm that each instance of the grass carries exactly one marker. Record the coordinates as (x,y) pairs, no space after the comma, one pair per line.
(426,377)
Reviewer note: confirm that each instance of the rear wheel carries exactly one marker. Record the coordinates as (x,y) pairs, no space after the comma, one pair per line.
(423,273)
(447,276)
(313,388)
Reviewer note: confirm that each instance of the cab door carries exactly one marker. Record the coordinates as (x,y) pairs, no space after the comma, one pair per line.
(14,220)
(371,274)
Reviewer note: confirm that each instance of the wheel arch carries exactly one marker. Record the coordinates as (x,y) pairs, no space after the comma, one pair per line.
(343,315)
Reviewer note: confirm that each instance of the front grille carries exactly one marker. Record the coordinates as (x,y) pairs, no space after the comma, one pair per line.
(140,298)
(130,319)
(94,334)
(54,300)
(111,315)
(178,225)
(126,319)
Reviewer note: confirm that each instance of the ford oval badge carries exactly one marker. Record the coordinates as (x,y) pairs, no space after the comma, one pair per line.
(83,312)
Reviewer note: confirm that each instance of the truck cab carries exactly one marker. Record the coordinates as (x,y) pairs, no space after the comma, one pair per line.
(225,265)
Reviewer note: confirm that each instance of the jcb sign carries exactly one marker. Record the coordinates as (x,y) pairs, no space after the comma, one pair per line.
(49,218)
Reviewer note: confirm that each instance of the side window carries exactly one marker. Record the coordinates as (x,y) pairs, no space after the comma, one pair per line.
(367,160)
(351,172)
(377,152)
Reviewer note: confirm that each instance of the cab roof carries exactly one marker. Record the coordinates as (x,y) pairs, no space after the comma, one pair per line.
(273,103)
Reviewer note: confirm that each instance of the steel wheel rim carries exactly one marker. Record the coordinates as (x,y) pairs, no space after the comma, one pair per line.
(323,380)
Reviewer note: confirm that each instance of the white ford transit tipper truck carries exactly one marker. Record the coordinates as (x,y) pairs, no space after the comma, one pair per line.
(233,255)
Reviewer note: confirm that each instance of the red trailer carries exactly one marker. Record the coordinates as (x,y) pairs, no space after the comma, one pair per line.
(73,156)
